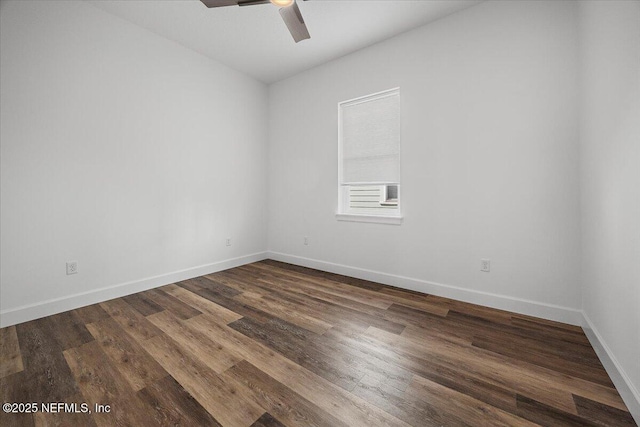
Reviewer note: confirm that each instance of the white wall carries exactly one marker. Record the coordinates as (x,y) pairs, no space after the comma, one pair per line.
(121,150)
(489,159)
(610,178)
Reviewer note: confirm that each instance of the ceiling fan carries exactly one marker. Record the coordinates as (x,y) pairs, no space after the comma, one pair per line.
(288,10)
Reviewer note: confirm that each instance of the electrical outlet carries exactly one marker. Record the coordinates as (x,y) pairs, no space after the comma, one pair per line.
(72,267)
(306,240)
(228,241)
(485,265)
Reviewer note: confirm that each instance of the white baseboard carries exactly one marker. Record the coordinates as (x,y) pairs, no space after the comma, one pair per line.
(531,308)
(70,302)
(621,380)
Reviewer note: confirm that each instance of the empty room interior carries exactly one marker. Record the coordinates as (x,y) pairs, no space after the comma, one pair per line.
(320,213)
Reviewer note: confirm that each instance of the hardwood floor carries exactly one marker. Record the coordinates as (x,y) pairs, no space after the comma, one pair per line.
(272,344)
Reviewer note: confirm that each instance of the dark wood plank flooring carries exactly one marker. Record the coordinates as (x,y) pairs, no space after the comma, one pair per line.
(272,344)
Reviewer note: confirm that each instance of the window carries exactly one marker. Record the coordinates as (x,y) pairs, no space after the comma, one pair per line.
(369,158)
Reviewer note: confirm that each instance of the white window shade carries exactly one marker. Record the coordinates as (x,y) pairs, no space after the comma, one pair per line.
(370,139)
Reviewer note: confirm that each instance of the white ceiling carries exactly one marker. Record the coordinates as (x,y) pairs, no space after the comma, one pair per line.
(255,40)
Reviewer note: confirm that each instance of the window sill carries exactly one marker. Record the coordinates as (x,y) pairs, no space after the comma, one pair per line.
(393,220)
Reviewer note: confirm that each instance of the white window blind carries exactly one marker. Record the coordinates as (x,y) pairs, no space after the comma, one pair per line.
(369,158)
(370,139)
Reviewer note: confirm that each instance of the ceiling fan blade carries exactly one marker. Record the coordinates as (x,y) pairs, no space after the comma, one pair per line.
(222,3)
(251,2)
(293,18)
(219,3)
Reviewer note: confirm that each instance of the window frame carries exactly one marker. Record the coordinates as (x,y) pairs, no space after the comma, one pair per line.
(392,216)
